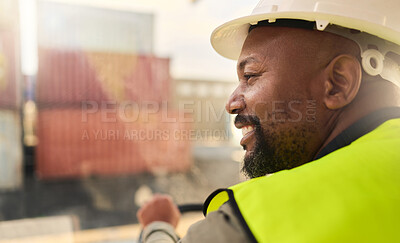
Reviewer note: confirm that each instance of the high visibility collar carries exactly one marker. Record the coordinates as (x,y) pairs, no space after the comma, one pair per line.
(359,129)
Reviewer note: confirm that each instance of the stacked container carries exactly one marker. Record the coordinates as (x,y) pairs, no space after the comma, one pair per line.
(68,78)
(70,147)
(105,114)
(101,95)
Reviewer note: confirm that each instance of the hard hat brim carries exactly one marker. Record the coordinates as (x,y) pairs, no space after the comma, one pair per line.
(228,39)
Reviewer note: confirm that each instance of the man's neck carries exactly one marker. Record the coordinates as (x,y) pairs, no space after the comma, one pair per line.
(372,96)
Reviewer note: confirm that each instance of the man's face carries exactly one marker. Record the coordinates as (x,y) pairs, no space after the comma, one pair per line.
(276,102)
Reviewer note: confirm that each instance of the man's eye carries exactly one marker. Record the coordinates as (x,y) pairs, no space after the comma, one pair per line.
(249,77)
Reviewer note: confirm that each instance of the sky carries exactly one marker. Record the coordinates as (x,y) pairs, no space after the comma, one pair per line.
(182,32)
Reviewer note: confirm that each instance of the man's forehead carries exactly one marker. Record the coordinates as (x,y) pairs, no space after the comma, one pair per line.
(260,43)
(267,40)
(261,39)
(242,62)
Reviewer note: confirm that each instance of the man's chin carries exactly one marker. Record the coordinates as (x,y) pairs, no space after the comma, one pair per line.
(258,163)
(250,165)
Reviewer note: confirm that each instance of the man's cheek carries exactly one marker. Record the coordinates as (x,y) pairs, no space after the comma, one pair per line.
(261,109)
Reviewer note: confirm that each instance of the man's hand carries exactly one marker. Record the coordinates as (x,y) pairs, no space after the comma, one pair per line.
(159,208)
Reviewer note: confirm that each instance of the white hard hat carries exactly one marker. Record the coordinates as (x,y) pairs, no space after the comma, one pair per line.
(374,18)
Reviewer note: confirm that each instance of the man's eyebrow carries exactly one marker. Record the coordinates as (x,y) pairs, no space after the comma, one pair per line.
(246,61)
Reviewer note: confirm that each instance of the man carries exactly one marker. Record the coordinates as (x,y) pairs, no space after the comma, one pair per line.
(318,102)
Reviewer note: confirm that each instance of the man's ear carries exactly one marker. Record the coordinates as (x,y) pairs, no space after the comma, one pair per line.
(343,79)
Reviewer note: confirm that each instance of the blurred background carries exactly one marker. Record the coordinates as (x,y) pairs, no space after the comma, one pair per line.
(106,102)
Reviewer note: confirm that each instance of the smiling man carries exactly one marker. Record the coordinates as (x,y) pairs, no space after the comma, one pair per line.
(318,103)
(278,78)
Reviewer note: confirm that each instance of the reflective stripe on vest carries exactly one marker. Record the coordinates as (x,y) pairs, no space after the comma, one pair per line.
(350,195)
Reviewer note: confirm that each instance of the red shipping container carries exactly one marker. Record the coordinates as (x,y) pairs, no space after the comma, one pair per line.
(66,78)
(74,144)
(8,71)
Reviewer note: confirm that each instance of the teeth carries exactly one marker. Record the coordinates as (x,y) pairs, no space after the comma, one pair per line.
(246,130)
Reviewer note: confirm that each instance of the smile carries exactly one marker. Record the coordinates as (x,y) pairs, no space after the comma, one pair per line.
(246,130)
(248,137)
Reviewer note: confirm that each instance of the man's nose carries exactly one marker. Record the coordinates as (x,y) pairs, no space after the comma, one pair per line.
(235,103)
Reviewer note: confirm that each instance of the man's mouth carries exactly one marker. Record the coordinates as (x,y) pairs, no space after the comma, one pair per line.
(248,137)
(246,130)
(248,124)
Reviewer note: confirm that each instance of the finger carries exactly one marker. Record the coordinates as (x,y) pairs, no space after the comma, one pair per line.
(139,216)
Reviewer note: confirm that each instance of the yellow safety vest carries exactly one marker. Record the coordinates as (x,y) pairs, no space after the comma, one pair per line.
(349,195)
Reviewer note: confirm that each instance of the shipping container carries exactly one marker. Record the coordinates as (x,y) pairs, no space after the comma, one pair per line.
(77,143)
(66,78)
(10,150)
